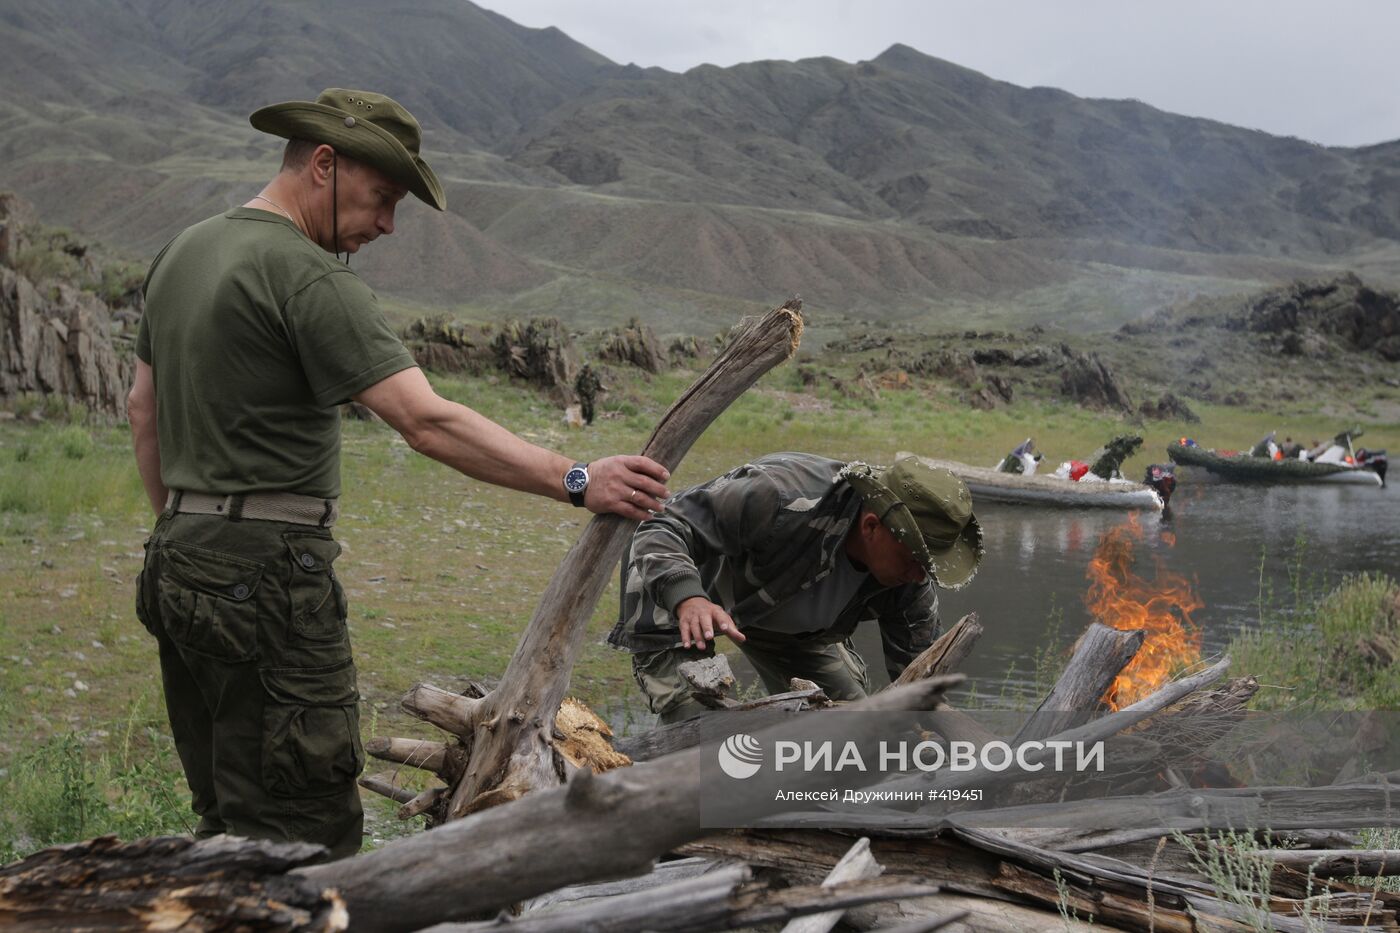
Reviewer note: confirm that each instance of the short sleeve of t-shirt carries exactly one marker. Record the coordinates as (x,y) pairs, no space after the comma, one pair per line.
(143,342)
(143,331)
(341,337)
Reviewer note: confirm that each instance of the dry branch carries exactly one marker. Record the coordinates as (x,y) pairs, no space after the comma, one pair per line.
(946,653)
(511,750)
(1099,655)
(450,712)
(384,785)
(856,864)
(416,753)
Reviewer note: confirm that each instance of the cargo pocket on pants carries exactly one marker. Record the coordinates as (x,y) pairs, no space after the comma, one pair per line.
(311,730)
(206,601)
(318,600)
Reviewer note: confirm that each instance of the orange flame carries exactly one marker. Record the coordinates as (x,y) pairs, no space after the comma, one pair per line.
(1161,607)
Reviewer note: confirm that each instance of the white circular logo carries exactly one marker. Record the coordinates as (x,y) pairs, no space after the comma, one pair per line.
(740,756)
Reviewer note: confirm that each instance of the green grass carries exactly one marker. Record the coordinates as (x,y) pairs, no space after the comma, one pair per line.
(124,780)
(443,573)
(1317,656)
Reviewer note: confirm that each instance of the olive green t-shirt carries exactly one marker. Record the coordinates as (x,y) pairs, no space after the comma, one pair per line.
(255,336)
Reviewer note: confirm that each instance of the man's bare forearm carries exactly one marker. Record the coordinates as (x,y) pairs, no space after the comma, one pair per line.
(145,441)
(473,444)
(148,465)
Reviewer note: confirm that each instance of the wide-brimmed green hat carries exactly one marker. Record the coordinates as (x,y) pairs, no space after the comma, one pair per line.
(929,510)
(368,127)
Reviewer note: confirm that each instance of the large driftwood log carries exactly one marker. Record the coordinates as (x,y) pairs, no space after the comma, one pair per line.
(168,883)
(511,748)
(1099,655)
(515,852)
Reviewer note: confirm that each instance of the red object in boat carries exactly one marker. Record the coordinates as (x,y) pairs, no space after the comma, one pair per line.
(1077,469)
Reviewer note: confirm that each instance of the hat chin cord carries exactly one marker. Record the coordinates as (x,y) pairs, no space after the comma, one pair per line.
(335,207)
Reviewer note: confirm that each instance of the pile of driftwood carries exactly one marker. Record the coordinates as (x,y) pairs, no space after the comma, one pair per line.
(599,811)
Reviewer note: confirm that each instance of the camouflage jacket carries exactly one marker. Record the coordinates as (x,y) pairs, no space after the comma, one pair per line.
(752,539)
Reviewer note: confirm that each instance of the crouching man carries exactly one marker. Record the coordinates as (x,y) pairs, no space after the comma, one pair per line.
(786,556)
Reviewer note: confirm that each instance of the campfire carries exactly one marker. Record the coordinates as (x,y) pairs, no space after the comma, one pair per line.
(1161,607)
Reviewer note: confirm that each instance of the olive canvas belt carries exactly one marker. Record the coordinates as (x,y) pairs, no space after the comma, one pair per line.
(258,506)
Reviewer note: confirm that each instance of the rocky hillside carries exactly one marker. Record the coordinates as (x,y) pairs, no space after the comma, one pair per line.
(904,188)
(67,320)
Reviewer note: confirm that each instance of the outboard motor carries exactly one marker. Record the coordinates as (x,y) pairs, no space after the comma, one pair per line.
(1372,460)
(1162,477)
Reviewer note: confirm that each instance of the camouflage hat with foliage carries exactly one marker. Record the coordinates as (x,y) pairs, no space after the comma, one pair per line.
(365,126)
(929,510)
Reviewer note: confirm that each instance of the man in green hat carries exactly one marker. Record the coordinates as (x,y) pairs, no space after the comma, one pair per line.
(253,336)
(786,556)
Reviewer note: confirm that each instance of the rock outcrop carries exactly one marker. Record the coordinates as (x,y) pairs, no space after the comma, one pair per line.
(1299,317)
(1086,379)
(633,345)
(59,342)
(57,339)
(1169,408)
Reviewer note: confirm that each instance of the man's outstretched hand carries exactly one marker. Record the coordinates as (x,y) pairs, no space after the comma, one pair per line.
(700,619)
(628,485)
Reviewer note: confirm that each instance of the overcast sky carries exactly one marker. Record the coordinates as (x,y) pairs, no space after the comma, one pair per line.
(1322,71)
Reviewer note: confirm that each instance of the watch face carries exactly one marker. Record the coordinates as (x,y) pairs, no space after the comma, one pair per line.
(576,480)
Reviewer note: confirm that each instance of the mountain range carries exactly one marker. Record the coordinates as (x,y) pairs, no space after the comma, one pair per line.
(903,189)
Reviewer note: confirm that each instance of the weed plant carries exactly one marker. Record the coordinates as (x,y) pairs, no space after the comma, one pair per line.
(63,789)
(1325,653)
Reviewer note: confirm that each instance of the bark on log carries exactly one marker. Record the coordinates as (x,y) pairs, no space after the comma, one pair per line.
(1099,655)
(931,922)
(961,913)
(700,905)
(664,873)
(946,653)
(856,864)
(512,752)
(168,883)
(1336,863)
(515,852)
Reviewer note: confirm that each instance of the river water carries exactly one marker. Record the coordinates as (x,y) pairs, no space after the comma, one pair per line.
(1235,544)
(1029,593)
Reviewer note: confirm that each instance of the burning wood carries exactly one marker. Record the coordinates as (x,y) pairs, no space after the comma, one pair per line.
(1160,607)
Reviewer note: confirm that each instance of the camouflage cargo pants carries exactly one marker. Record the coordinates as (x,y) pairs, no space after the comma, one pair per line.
(259,682)
(837,668)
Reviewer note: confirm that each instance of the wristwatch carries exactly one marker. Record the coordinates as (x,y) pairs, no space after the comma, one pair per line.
(576,482)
